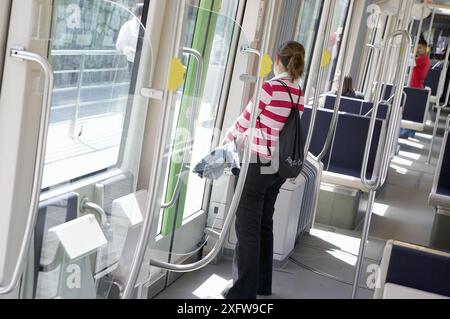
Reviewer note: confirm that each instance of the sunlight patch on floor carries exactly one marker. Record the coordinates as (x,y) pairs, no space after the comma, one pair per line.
(399,169)
(343,256)
(380,209)
(402,161)
(413,156)
(346,243)
(213,286)
(424,136)
(412,143)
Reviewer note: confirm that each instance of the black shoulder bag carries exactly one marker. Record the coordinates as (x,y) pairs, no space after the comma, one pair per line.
(290,144)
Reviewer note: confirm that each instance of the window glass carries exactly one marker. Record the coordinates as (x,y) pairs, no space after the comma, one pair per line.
(93,50)
(308,25)
(331,74)
(209,30)
(206,120)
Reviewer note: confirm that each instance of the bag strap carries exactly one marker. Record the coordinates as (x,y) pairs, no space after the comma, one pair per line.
(293,106)
(290,95)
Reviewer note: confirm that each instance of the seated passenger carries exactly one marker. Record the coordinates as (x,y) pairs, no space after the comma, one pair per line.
(349,91)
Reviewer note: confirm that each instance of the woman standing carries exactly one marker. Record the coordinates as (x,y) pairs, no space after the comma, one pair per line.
(252,265)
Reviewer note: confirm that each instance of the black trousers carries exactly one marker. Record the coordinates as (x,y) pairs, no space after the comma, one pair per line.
(253,256)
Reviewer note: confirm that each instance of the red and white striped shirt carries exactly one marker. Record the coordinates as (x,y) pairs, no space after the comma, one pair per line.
(274,106)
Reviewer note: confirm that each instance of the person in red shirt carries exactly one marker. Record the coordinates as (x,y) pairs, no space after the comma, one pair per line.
(419,74)
(420,71)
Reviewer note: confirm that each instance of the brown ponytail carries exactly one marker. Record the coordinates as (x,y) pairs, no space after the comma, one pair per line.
(292,56)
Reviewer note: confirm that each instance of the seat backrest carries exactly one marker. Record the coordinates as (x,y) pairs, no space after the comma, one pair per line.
(349,145)
(348,105)
(382,109)
(321,127)
(416,105)
(414,267)
(432,80)
(388,91)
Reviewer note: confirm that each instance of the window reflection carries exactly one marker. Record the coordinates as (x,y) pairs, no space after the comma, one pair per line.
(308,26)
(92,50)
(307,34)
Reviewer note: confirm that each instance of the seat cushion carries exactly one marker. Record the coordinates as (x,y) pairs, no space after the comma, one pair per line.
(393,291)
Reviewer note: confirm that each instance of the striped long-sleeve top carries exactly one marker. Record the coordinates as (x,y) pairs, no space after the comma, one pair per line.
(274,108)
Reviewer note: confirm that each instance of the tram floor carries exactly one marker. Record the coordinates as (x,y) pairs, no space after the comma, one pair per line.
(323,263)
(401,211)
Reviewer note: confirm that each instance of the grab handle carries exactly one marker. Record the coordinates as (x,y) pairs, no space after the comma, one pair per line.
(183,173)
(375,183)
(330,6)
(38,166)
(337,102)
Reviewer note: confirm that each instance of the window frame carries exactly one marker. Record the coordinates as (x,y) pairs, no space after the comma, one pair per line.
(111,170)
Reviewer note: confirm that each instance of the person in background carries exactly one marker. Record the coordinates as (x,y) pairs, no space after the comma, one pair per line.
(348,89)
(419,74)
(128,36)
(253,258)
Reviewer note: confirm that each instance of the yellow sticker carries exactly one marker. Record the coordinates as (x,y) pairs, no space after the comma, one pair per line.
(326,58)
(266,65)
(176,75)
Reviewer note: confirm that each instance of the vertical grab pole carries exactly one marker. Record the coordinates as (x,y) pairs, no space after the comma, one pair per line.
(416,43)
(153,202)
(367,49)
(334,120)
(439,107)
(375,184)
(324,30)
(330,6)
(430,29)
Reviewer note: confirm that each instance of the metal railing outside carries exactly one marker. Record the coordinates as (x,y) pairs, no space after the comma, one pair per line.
(82,71)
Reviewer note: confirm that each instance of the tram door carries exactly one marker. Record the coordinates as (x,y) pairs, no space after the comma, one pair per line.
(211,30)
(79,77)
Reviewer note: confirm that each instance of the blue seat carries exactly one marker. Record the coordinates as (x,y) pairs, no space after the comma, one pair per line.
(416,105)
(382,109)
(388,91)
(348,105)
(355,106)
(321,127)
(419,269)
(432,80)
(349,145)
